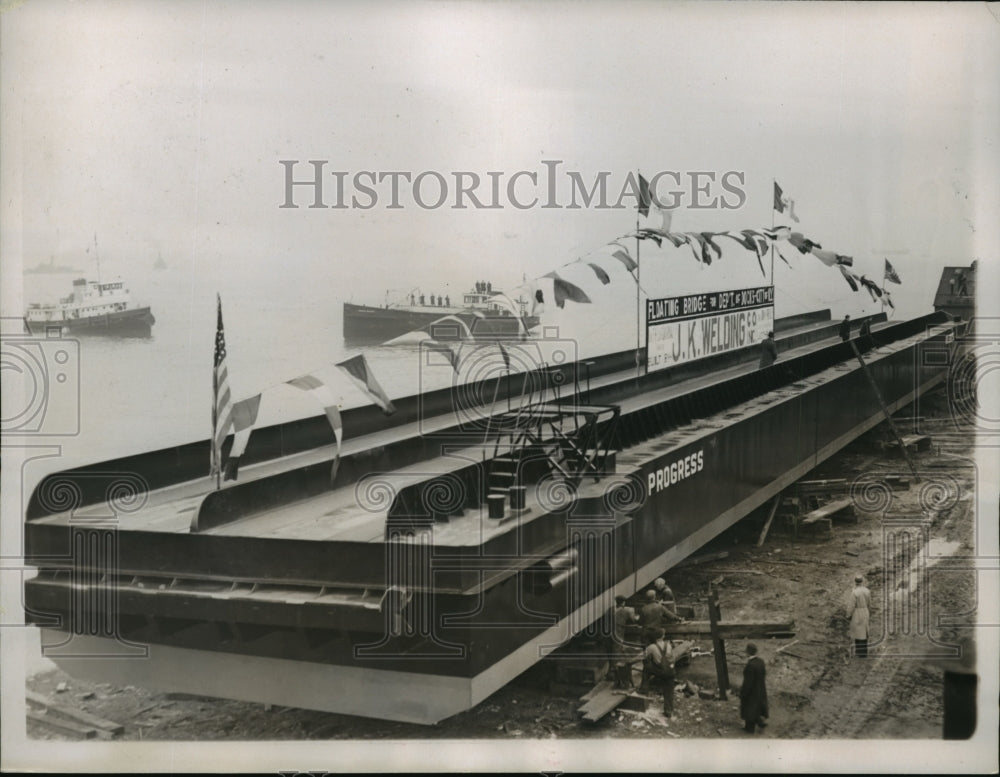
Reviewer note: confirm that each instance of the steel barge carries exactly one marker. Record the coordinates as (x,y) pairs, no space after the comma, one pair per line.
(485,313)
(455,549)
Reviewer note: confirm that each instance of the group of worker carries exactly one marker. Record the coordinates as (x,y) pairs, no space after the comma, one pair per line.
(438,301)
(658,610)
(769,350)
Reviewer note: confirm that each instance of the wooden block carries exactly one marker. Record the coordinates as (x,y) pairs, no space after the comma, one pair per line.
(79,715)
(62,725)
(601,704)
(636,702)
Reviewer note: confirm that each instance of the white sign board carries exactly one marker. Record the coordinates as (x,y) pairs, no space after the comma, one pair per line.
(683,329)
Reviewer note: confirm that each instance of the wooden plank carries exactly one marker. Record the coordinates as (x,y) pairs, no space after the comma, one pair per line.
(718,642)
(62,725)
(601,704)
(770,518)
(729,630)
(704,558)
(828,510)
(79,715)
(599,688)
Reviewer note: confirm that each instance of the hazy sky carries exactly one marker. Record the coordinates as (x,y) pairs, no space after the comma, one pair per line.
(159,126)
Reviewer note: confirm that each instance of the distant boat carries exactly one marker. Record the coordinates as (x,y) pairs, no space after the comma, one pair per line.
(50,267)
(159,264)
(485,311)
(94,308)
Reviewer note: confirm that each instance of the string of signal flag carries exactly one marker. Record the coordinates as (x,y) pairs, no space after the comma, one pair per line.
(240,417)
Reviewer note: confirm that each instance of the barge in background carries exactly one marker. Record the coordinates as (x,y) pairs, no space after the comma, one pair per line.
(459,544)
(486,312)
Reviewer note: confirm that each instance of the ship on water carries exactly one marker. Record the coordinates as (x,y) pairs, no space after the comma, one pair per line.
(459,540)
(93,308)
(484,312)
(50,268)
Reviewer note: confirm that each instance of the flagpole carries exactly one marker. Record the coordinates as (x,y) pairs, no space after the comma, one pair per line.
(774,183)
(216,465)
(882,298)
(638,286)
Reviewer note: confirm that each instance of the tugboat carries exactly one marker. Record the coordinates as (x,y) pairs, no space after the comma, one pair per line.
(94,308)
(487,312)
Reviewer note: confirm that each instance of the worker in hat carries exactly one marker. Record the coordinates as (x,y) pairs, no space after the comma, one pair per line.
(845,329)
(768,351)
(753,693)
(655,614)
(663,592)
(658,663)
(625,616)
(858,605)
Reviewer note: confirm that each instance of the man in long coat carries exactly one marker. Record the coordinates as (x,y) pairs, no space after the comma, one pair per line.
(753,693)
(845,329)
(857,608)
(768,351)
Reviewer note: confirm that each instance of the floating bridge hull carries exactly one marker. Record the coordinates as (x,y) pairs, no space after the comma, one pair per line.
(393,593)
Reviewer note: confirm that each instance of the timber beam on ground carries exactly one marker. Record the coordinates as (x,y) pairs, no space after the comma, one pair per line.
(730,629)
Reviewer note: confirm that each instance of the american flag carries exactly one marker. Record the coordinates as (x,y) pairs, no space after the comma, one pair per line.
(222,400)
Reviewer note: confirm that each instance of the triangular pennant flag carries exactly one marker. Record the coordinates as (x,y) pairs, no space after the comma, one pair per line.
(648,233)
(644,198)
(324,395)
(537,303)
(872,287)
(779,200)
(829,258)
(776,233)
(804,244)
(622,256)
(358,371)
(600,273)
(564,290)
(707,237)
(668,218)
(677,239)
(753,241)
(702,253)
(850,277)
(244,418)
(890,273)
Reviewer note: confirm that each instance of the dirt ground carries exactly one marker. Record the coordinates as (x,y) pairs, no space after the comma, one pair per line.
(815,688)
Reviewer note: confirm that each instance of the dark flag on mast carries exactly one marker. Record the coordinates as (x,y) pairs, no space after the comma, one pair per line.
(890,273)
(644,198)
